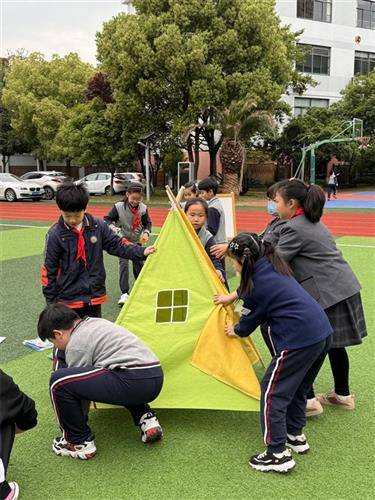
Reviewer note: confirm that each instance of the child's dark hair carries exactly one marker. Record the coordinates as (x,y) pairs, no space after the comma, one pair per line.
(196,201)
(55,316)
(310,197)
(192,186)
(271,191)
(71,197)
(134,187)
(207,184)
(248,248)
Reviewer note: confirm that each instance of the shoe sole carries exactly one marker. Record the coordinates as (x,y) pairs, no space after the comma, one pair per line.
(155,436)
(74,454)
(282,468)
(16,491)
(314,413)
(337,405)
(301,449)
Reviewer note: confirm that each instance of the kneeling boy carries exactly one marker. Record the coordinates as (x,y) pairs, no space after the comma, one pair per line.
(104,363)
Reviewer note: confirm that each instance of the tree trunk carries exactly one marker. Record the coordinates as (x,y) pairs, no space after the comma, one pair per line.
(68,164)
(189,148)
(230,183)
(242,168)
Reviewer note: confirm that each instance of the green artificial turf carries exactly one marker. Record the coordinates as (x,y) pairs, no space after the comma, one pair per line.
(204,453)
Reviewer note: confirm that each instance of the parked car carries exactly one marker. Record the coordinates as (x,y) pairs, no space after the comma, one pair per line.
(13,188)
(49,180)
(100,183)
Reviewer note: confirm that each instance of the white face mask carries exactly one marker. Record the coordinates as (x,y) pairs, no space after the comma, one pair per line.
(271,208)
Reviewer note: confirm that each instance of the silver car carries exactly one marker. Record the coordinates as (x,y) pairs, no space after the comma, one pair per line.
(12,188)
(49,180)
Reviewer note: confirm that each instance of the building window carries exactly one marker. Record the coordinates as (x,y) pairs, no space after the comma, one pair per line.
(366,14)
(172,306)
(317,10)
(316,59)
(303,104)
(364,63)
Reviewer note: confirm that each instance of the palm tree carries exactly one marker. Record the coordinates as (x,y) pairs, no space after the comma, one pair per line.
(239,123)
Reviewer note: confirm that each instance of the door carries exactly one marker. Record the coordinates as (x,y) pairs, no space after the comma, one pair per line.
(103,181)
(90,181)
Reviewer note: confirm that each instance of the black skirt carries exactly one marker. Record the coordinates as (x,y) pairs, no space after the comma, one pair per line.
(348,322)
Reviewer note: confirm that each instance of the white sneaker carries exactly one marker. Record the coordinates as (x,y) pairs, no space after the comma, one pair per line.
(150,428)
(84,451)
(298,443)
(124,297)
(14,491)
(277,462)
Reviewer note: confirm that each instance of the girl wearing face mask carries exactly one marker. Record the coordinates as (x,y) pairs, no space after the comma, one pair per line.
(271,234)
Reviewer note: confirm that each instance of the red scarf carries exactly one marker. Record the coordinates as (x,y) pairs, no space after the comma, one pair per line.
(136,219)
(297,212)
(81,250)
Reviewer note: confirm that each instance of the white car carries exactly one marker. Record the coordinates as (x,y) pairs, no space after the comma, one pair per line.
(49,180)
(12,188)
(100,183)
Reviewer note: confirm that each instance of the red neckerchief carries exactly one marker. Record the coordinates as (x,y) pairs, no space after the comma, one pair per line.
(81,250)
(136,219)
(300,211)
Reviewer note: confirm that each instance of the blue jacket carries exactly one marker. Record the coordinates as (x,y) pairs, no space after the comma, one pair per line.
(295,319)
(67,280)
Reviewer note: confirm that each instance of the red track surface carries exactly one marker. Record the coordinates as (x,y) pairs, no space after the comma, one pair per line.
(348,224)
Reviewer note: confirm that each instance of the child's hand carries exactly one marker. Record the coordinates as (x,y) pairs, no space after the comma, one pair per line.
(220,274)
(149,250)
(116,230)
(229,330)
(220,250)
(222,299)
(144,238)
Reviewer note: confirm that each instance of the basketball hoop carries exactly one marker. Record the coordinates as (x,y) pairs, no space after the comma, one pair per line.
(364,142)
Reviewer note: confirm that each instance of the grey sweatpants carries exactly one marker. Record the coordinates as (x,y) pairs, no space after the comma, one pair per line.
(124,273)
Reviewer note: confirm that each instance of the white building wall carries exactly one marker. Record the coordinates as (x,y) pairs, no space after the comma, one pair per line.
(339,35)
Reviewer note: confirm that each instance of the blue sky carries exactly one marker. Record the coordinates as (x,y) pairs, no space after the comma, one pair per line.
(54,26)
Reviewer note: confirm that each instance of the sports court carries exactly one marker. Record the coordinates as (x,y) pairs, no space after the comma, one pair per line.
(204,453)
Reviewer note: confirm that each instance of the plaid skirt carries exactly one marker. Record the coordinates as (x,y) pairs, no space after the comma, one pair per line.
(347,321)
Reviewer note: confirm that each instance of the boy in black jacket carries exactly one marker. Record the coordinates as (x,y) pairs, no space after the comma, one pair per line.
(17,414)
(73,270)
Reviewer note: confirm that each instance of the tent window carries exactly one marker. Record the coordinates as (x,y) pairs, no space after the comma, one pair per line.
(172,306)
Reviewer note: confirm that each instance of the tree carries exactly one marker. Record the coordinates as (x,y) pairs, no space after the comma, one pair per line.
(99,86)
(358,101)
(176,61)
(238,123)
(40,94)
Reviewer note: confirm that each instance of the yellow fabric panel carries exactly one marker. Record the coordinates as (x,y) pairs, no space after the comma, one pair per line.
(225,358)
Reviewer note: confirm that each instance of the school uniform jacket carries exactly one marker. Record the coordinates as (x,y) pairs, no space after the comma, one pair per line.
(209,241)
(272,232)
(296,320)
(67,280)
(121,216)
(316,262)
(216,220)
(15,407)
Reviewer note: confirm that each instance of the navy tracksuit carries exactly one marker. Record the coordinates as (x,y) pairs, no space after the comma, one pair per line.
(72,389)
(300,336)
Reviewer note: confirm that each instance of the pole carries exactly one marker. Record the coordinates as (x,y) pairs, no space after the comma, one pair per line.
(147,171)
(312,166)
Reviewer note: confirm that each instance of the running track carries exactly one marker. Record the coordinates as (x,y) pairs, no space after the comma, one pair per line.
(340,224)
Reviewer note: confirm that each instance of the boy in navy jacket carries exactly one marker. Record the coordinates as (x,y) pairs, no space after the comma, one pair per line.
(73,270)
(300,335)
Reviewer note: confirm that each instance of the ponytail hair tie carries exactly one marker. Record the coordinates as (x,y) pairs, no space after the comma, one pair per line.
(246,252)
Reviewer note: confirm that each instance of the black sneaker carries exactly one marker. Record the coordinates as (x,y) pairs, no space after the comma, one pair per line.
(278,462)
(298,444)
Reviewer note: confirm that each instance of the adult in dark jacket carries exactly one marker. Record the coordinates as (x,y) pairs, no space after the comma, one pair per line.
(17,414)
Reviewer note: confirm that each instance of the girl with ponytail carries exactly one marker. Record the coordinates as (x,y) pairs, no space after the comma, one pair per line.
(300,335)
(310,250)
